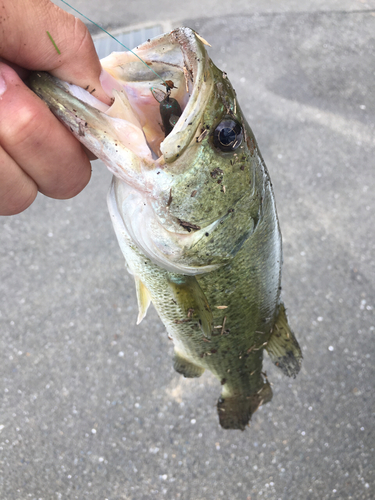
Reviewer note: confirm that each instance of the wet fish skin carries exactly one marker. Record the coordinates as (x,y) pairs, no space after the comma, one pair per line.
(216,281)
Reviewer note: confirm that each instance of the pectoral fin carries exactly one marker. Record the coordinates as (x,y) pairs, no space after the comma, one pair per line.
(143,297)
(190,297)
(283,347)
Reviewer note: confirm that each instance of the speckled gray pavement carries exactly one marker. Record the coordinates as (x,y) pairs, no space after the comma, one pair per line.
(90,407)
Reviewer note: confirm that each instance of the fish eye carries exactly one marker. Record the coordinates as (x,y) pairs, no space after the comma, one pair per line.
(228,135)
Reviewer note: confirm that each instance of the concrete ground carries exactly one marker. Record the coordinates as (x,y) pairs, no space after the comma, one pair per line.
(90,407)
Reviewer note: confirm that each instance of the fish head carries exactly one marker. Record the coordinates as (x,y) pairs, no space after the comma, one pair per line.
(170,189)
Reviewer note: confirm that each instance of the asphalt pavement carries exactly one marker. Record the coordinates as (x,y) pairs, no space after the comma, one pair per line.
(90,406)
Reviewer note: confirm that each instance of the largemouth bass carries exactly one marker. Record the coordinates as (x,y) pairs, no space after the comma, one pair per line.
(193,209)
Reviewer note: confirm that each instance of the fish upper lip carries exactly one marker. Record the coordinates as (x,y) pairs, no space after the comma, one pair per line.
(195,59)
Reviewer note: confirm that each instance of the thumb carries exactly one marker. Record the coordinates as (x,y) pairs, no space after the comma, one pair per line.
(38,35)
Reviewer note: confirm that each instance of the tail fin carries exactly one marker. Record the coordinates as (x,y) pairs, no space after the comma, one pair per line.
(283,348)
(235,412)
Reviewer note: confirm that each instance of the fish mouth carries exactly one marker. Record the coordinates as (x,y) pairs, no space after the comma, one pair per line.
(134,121)
(129,137)
(179,58)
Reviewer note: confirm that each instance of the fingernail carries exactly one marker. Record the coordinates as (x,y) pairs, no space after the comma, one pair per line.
(3,85)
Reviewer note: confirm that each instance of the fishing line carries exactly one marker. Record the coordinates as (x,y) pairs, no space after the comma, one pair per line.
(118,41)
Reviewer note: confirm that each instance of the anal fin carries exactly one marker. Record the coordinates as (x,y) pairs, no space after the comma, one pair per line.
(143,298)
(185,367)
(283,348)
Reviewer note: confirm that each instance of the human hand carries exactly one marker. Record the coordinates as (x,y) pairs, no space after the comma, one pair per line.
(37,153)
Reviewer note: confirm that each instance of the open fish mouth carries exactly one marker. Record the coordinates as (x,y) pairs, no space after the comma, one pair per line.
(134,120)
(132,139)
(172,188)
